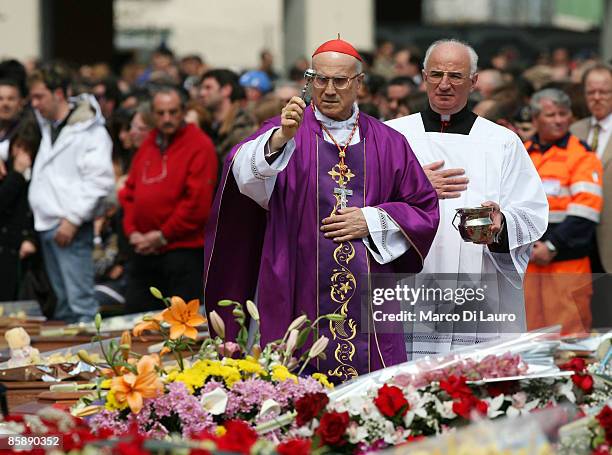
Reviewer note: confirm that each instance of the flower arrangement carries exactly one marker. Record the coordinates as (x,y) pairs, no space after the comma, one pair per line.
(403,411)
(202,387)
(589,435)
(220,394)
(55,431)
(602,431)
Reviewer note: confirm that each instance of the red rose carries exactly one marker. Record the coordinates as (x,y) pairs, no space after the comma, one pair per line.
(501,388)
(105,433)
(413,438)
(482,406)
(294,447)
(332,428)
(391,401)
(601,450)
(466,404)
(605,420)
(583,381)
(130,448)
(456,387)
(576,364)
(239,437)
(310,406)
(76,439)
(605,417)
(462,407)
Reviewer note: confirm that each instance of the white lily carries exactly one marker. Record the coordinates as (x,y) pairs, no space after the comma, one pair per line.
(565,389)
(297,323)
(269,406)
(214,402)
(292,341)
(252,309)
(318,347)
(217,324)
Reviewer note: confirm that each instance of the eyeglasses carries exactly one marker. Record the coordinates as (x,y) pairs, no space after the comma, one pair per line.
(455,78)
(339,83)
(603,93)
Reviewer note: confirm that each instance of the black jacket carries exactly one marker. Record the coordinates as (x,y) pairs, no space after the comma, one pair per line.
(16,225)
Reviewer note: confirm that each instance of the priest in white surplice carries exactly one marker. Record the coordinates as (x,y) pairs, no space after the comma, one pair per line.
(471,162)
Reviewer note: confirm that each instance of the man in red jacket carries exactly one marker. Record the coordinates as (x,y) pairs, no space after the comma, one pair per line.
(166,200)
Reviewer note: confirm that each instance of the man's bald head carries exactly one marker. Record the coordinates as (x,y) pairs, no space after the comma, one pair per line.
(489,81)
(450,75)
(334,102)
(452,46)
(337,58)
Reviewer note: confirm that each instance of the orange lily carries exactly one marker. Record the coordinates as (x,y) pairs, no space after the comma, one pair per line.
(183,318)
(152,324)
(134,388)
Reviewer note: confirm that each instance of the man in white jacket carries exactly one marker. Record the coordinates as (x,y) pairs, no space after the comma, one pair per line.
(72,174)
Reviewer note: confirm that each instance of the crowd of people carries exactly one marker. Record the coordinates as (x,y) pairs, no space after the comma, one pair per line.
(107,179)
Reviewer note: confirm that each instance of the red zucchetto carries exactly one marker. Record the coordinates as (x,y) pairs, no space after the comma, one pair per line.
(338,45)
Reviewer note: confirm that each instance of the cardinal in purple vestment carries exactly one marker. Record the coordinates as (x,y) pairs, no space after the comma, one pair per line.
(309,208)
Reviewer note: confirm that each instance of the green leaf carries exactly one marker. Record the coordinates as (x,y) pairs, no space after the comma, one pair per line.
(303,337)
(242,337)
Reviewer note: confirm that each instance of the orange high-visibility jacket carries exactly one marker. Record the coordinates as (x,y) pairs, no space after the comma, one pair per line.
(572,177)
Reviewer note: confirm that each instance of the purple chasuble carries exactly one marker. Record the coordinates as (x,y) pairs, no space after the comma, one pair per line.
(282,254)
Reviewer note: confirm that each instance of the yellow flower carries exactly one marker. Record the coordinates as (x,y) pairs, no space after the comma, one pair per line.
(229,362)
(229,374)
(171,376)
(281,373)
(183,318)
(196,376)
(106,384)
(323,380)
(250,366)
(220,430)
(112,404)
(192,379)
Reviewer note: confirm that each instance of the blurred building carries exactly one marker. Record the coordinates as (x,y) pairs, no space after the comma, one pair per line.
(570,14)
(233,33)
(70,30)
(530,27)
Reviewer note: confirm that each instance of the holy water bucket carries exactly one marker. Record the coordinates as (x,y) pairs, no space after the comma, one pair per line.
(474,224)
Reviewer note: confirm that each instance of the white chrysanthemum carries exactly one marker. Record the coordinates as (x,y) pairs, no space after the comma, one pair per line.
(495,404)
(565,389)
(356,433)
(445,408)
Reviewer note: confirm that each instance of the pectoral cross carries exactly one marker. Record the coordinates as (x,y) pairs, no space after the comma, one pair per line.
(343,192)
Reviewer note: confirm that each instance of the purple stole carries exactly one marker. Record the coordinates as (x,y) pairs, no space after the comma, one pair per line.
(342,267)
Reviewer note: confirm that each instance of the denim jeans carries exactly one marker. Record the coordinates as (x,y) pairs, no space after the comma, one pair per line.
(71,273)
